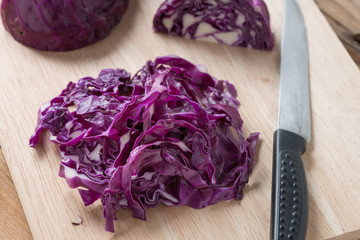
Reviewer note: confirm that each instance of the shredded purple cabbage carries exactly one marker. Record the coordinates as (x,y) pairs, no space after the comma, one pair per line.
(244,23)
(171,134)
(59,25)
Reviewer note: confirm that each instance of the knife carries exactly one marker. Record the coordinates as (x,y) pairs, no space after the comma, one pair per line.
(289,197)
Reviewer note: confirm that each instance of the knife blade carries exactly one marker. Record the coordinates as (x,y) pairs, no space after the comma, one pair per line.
(289,197)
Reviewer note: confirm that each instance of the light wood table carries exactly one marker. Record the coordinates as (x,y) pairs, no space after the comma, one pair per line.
(13,224)
(344,17)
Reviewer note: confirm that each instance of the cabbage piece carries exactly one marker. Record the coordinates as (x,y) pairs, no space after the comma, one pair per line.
(244,23)
(59,25)
(171,134)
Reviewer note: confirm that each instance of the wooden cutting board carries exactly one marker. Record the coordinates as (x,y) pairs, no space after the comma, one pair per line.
(29,78)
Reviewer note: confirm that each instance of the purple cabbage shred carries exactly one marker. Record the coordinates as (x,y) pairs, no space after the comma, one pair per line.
(170,134)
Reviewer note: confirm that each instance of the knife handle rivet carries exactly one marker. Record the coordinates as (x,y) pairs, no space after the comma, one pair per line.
(287,155)
(282,220)
(282,190)
(291,236)
(292,163)
(283,169)
(293,229)
(282,235)
(282,198)
(296,206)
(294,221)
(295,214)
(295,185)
(294,178)
(282,205)
(296,199)
(284,176)
(282,227)
(296,192)
(284,183)
(293,170)
(282,212)
(283,162)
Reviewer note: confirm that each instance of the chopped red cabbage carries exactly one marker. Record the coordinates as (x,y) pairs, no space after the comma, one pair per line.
(244,23)
(59,25)
(171,134)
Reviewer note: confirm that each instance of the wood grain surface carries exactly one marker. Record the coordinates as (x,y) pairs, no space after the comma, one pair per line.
(344,18)
(13,224)
(50,205)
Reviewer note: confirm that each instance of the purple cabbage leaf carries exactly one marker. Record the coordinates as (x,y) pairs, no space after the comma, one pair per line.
(59,25)
(244,23)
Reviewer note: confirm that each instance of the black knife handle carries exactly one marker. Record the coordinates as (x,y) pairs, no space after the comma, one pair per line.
(289,197)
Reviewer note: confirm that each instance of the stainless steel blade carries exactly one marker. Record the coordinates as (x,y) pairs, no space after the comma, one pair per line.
(294,108)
